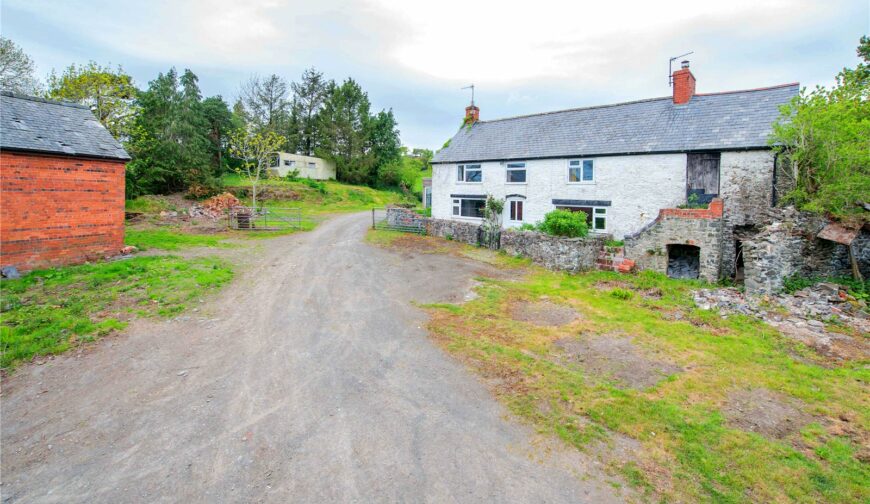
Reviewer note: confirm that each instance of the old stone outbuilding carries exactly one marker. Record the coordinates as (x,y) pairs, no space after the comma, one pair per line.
(61,184)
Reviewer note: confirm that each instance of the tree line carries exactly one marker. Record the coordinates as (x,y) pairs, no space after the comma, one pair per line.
(180,140)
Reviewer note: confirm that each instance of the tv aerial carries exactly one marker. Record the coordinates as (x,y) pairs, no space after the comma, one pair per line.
(671,66)
(471,87)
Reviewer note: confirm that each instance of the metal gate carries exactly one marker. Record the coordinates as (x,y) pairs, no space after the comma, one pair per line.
(398,219)
(264,219)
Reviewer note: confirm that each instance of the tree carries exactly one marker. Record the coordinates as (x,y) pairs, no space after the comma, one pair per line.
(383,138)
(169,138)
(824,134)
(265,102)
(345,121)
(109,93)
(308,97)
(255,150)
(220,123)
(17,70)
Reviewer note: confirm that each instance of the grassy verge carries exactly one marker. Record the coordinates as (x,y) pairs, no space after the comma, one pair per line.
(688,449)
(49,311)
(171,239)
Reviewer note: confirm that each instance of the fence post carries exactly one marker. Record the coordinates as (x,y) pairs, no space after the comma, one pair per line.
(373,218)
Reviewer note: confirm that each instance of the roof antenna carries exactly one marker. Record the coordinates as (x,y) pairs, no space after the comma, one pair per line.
(471,87)
(671,67)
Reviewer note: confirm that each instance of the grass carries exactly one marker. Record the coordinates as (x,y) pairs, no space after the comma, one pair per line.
(689,452)
(49,311)
(320,197)
(171,239)
(147,204)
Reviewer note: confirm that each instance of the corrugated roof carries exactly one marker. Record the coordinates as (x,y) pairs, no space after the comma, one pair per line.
(718,121)
(34,124)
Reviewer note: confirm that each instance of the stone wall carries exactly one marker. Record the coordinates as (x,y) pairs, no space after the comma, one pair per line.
(788,245)
(404,218)
(464,232)
(555,252)
(701,228)
(746,184)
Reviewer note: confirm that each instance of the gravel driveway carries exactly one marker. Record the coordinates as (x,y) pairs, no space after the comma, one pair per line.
(309,379)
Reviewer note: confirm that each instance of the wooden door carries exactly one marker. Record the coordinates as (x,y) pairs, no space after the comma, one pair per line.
(702,176)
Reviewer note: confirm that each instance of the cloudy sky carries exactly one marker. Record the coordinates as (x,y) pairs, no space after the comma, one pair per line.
(414,57)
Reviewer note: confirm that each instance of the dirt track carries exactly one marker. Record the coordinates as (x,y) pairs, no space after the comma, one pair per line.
(309,379)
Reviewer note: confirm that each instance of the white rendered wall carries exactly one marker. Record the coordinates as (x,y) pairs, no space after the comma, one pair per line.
(636,186)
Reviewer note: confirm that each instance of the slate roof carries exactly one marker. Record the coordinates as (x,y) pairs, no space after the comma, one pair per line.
(718,121)
(37,125)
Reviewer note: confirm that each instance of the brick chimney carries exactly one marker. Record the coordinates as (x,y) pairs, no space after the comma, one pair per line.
(684,84)
(472,114)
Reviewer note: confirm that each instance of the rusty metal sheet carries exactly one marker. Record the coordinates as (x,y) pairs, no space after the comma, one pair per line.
(837,233)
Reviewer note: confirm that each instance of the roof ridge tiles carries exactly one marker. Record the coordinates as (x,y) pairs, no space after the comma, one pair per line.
(21,96)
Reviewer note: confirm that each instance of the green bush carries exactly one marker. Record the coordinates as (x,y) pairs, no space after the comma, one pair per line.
(857,288)
(527,227)
(315,184)
(564,223)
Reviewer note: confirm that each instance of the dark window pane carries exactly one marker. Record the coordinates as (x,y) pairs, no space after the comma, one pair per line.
(473,175)
(519,210)
(473,207)
(599,223)
(516,175)
(587,170)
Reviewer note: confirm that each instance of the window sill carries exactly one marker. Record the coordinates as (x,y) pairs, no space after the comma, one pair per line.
(581,183)
(516,183)
(469,183)
(460,217)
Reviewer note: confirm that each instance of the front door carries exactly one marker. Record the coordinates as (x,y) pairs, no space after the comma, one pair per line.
(702,176)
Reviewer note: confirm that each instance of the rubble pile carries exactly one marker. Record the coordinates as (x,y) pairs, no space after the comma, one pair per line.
(214,208)
(804,315)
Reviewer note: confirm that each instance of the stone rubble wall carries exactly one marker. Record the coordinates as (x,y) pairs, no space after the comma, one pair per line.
(555,252)
(405,218)
(787,245)
(464,232)
(701,228)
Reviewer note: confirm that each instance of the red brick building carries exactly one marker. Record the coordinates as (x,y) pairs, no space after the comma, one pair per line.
(61,184)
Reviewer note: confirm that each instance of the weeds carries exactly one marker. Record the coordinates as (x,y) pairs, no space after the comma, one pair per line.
(49,311)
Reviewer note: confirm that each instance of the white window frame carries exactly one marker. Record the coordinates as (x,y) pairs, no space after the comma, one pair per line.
(596,211)
(510,204)
(456,210)
(462,173)
(515,166)
(289,163)
(312,165)
(580,162)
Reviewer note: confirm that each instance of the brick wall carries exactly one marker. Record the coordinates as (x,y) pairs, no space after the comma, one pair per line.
(58,210)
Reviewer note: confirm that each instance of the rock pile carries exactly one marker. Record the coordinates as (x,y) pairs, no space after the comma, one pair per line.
(804,316)
(214,208)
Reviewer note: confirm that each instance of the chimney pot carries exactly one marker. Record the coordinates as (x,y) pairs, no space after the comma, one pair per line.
(684,63)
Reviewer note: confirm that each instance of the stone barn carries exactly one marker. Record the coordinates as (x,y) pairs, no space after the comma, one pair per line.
(61,184)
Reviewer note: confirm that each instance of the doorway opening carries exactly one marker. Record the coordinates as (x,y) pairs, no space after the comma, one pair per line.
(739,273)
(684,261)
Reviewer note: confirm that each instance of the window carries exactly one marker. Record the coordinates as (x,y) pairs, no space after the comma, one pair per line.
(516,173)
(290,163)
(463,207)
(469,173)
(596,217)
(581,171)
(599,220)
(516,211)
(312,166)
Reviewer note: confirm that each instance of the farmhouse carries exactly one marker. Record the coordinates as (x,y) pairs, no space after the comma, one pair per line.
(307,166)
(621,164)
(61,184)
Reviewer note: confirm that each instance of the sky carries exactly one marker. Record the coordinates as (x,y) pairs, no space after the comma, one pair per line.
(414,57)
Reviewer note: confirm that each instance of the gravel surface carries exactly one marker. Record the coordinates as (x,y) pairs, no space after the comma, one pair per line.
(309,379)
